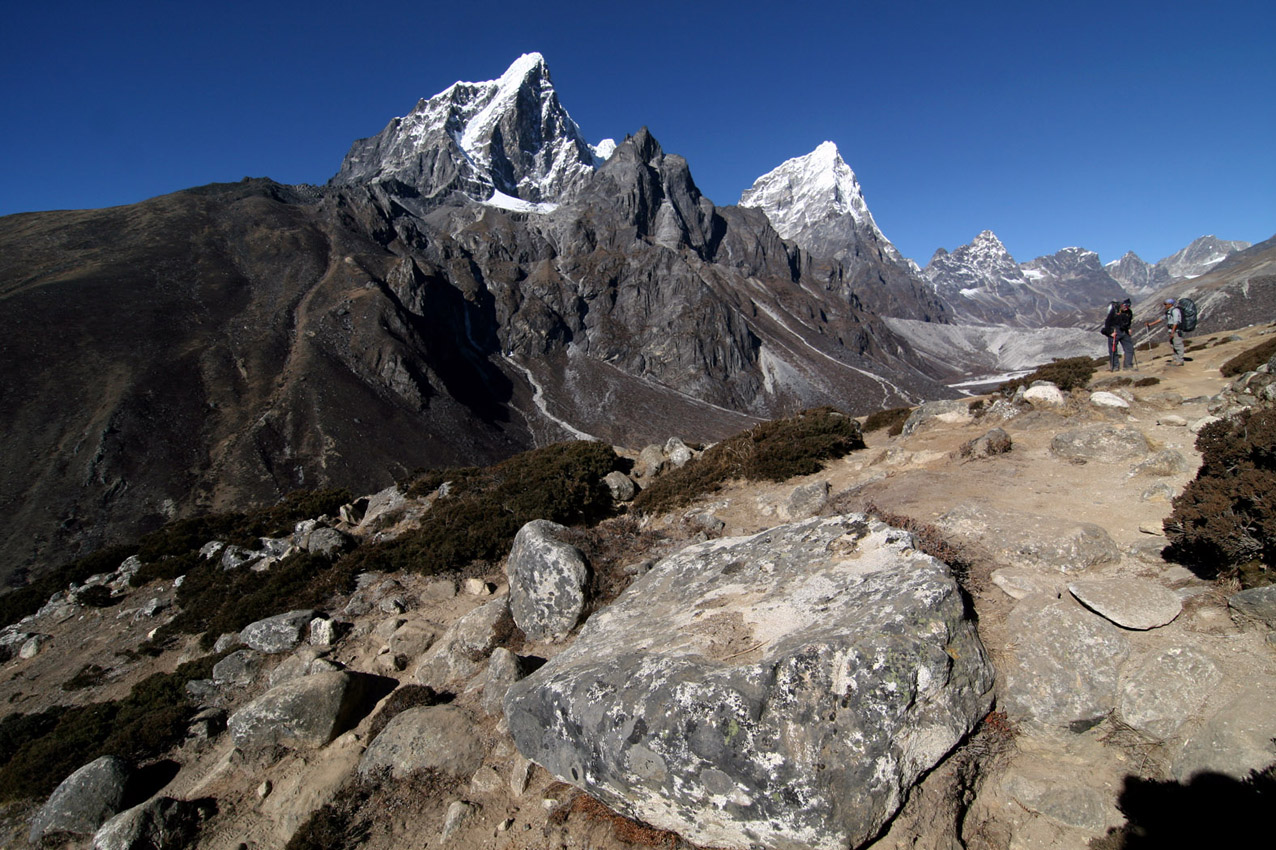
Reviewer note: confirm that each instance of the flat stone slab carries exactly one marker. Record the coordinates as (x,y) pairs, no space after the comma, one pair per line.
(1167,689)
(1065,666)
(1129,602)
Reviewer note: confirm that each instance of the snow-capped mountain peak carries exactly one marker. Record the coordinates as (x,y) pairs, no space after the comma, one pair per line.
(806,190)
(502,139)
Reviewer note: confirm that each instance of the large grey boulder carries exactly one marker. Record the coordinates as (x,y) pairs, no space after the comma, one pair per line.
(462,652)
(547,578)
(1065,664)
(781,690)
(1102,443)
(162,823)
(434,737)
(84,800)
(239,668)
(279,633)
(306,712)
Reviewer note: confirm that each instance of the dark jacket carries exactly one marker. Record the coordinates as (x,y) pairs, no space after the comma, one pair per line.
(1118,320)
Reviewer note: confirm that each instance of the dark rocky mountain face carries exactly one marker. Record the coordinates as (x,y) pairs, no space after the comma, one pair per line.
(228,344)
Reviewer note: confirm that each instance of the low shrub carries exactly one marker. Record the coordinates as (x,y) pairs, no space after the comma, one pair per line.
(1149,381)
(38,751)
(214,601)
(1067,374)
(772,451)
(892,419)
(26,600)
(1250,359)
(180,537)
(1224,521)
(485,508)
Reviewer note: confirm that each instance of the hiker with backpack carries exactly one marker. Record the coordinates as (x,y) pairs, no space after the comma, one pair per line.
(1175,314)
(1116,327)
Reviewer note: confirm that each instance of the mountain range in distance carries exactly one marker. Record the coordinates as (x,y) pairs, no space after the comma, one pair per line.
(475,280)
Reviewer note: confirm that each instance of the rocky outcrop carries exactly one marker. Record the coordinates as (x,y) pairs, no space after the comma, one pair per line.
(462,651)
(776,690)
(162,823)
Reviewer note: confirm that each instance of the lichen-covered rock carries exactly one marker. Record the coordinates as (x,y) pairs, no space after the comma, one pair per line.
(84,800)
(305,712)
(547,578)
(779,690)
(239,668)
(622,487)
(1255,605)
(1164,462)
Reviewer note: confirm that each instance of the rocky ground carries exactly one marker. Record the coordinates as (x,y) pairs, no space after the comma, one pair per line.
(1111,663)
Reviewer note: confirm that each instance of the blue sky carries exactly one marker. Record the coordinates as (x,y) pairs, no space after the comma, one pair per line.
(1114,126)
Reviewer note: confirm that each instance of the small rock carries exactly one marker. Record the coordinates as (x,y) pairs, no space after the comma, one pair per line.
(264,789)
(323,632)
(1258,605)
(239,668)
(806,500)
(478,587)
(547,579)
(1172,419)
(621,486)
(440,590)
(1163,463)
(33,645)
(1196,425)
(1109,400)
(1101,443)
(1235,740)
(1158,493)
(432,737)
(1044,394)
(457,813)
(520,775)
(486,780)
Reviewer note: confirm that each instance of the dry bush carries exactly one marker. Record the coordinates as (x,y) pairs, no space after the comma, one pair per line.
(930,539)
(1067,374)
(1250,359)
(625,830)
(1149,381)
(772,451)
(892,419)
(485,508)
(1224,521)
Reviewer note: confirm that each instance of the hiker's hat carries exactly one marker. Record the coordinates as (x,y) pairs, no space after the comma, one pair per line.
(1169,300)
(1125,303)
